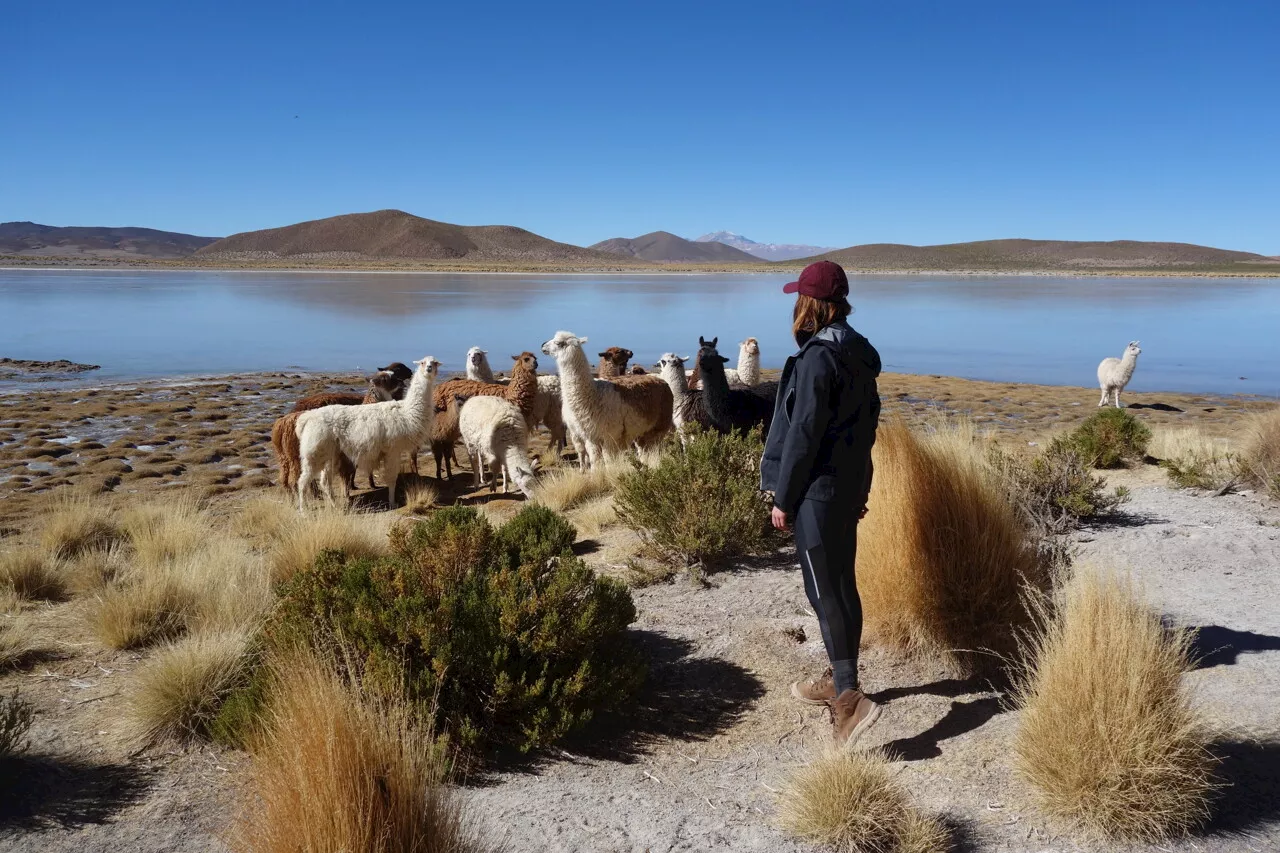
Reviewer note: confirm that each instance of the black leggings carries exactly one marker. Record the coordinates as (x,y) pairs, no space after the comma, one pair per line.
(826,545)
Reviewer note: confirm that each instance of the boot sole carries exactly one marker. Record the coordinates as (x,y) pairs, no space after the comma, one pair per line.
(795,692)
(860,729)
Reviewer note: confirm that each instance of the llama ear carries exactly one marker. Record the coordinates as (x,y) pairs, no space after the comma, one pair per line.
(582,341)
(629,353)
(515,358)
(701,341)
(724,360)
(603,354)
(715,341)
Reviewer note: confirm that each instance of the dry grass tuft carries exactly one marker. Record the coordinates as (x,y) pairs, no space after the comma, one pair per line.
(32,573)
(1193,460)
(91,571)
(181,687)
(1260,452)
(265,521)
(78,524)
(421,498)
(356,534)
(850,802)
(141,612)
(943,555)
(16,638)
(594,516)
(167,531)
(337,771)
(563,489)
(1108,736)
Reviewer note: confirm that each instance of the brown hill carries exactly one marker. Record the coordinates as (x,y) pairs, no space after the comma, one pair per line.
(33,240)
(664,246)
(395,234)
(1037,254)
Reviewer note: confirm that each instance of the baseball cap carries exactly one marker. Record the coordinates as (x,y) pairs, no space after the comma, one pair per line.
(821,280)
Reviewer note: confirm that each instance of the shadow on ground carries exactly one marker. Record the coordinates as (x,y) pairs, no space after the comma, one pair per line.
(1217,645)
(684,698)
(1155,407)
(961,718)
(1251,769)
(40,791)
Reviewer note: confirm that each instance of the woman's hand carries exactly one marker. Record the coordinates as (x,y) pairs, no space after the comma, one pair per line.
(779,519)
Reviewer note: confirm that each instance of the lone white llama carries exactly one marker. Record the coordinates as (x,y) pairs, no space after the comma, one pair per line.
(1114,373)
(367,434)
(495,436)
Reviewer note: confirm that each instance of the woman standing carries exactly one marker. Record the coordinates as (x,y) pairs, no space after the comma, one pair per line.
(817,463)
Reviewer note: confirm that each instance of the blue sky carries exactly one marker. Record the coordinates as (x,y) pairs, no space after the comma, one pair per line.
(826,123)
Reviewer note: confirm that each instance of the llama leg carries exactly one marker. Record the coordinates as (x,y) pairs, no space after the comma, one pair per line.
(304,484)
(1103,401)
(1117,393)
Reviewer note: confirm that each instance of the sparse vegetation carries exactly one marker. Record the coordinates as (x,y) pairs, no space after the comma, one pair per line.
(1260,454)
(16,641)
(1109,438)
(181,688)
(30,573)
(565,488)
(701,506)
(1055,490)
(304,538)
(1193,461)
(1109,737)
(339,770)
(851,803)
(943,555)
(507,636)
(78,524)
(16,716)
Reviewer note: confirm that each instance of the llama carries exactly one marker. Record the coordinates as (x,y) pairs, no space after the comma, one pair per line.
(637,370)
(687,405)
(746,374)
(732,409)
(605,417)
(613,362)
(332,398)
(1114,373)
(522,391)
(547,410)
(284,441)
(478,369)
(366,434)
(496,437)
(444,435)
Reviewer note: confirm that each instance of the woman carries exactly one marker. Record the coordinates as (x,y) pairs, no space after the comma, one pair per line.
(817,463)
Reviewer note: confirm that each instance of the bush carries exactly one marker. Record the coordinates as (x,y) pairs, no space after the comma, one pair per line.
(16,717)
(851,803)
(340,771)
(1193,461)
(506,636)
(702,505)
(1108,438)
(1260,453)
(943,555)
(1055,490)
(1108,736)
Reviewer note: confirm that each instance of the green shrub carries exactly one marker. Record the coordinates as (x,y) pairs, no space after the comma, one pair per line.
(504,635)
(15,720)
(1107,439)
(1056,490)
(700,506)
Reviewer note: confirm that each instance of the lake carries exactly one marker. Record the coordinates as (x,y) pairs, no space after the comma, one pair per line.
(1197,334)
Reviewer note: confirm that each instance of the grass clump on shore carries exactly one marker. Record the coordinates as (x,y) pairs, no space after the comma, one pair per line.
(1260,453)
(851,803)
(1193,461)
(700,505)
(16,641)
(565,488)
(338,769)
(1109,438)
(943,555)
(180,689)
(32,574)
(78,524)
(1109,738)
(506,636)
(300,539)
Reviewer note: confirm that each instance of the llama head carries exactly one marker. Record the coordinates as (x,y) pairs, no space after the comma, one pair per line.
(637,370)
(750,346)
(670,361)
(562,344)
(428,366)
(703,342)
(385,386)
(1133,349)
(526,360)
(476,356)
(618,357)
(399,370)
(709,359)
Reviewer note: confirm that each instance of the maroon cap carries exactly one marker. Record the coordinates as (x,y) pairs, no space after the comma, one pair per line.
(821,280)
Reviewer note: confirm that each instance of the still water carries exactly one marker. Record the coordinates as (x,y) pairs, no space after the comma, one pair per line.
(1198,334)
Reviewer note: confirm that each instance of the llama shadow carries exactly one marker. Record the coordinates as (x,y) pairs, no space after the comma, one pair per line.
(1215,645)
(961,718)
(38,791)
(1155,407)
(947,687)
(684,698)
(1251,799)
(1120,519)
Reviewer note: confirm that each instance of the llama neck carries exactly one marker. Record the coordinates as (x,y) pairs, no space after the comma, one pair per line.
(1127,364)
(676,378)
(523,384)
(480,372)
(748,367)
(416,400)
(715,388)
(575,372)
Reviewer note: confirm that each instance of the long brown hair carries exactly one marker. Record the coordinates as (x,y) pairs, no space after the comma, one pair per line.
(813,315)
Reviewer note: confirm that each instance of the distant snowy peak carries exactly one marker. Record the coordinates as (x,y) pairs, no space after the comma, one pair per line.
(766,251)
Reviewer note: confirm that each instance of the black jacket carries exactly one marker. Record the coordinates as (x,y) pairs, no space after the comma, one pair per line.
(824,422)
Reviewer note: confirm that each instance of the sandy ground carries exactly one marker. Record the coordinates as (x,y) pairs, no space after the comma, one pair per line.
(696,764)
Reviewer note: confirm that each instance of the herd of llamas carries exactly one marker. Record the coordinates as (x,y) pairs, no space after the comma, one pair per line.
(603,413)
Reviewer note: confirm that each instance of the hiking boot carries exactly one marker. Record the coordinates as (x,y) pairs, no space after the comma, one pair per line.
(852,713)
(815,691)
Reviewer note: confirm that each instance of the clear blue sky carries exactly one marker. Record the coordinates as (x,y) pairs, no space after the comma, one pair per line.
(829,123)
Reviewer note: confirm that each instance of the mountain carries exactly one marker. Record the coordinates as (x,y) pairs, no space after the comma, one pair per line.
(386,234)
(31,239)
(1038,254)
(664,246)
(764,251)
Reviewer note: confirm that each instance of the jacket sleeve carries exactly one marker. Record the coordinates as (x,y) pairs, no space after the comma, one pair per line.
(815,372)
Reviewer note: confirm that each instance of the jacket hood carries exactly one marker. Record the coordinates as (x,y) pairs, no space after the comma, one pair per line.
(853,350)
